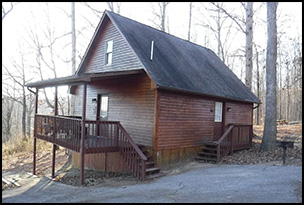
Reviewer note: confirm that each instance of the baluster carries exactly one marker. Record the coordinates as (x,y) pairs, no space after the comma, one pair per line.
(112,133)
(143,169)
(100,134)
(95,134)
(132,158)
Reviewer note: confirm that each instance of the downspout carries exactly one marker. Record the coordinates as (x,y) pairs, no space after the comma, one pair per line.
(30,90)
(256,106)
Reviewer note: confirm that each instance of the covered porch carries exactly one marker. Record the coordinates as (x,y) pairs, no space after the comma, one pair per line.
(84,136)
(100,136)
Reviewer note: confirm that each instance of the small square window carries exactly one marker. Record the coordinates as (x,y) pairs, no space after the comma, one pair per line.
(109,52)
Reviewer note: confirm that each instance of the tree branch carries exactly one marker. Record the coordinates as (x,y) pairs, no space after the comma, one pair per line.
(230,16)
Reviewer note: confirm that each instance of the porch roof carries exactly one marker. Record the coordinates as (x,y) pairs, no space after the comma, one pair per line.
(79,79)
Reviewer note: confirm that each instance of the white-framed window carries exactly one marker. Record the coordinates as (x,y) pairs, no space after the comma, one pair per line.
(218,112)
(109,52)
(104,102)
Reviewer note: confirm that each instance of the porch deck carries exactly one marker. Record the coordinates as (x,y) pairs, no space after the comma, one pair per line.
(100,136)
(89,136)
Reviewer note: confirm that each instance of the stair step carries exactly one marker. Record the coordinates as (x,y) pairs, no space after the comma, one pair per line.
(150,164)
(153,176)
(152,169)
(207,153)
(210,143)
(209,148)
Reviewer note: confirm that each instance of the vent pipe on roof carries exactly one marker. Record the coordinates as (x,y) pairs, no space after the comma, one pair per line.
(152,46)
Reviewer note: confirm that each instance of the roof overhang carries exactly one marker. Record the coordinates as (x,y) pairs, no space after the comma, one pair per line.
(207,95)
(80,79)
(68,80)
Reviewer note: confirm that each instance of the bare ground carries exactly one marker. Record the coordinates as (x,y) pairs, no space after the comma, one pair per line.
(16,166)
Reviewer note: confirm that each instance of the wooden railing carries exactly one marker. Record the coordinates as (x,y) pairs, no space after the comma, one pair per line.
(100,136)
(62,131)
(237,136)
(132,155)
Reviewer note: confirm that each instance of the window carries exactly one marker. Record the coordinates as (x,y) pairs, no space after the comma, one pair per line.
(218,112)
(109,52)
(104,106)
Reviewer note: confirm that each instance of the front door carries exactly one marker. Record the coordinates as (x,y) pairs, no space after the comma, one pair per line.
(102,106)
(218,120)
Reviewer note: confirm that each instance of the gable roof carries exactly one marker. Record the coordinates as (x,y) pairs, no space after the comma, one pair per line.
(178,64)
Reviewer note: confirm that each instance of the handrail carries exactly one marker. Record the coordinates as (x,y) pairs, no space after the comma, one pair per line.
(58,116)
(225,134)
(226,147)
(141,154)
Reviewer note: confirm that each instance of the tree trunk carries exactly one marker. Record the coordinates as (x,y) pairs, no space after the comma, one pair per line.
(270,125)
(190,16)
(258,87)
(163,16)
(71,100)
(73,39)
(249,37)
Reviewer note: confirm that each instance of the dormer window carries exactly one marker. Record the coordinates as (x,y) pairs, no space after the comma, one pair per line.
(109,52)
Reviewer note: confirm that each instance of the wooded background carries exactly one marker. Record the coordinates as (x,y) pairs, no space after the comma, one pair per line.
(237,32)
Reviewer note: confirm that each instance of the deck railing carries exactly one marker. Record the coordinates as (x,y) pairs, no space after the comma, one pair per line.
(132,155)
(62,131)
(100,136)
(237,136)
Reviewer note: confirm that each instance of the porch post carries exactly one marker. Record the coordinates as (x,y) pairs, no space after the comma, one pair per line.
(54,146)
(82,148)
(35,129)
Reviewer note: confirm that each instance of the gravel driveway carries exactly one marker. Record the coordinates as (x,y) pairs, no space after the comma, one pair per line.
(210,183)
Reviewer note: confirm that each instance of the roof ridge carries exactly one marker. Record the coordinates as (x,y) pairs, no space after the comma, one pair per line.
(111,12)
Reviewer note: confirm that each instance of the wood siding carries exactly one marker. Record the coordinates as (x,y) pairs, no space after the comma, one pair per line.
(184,120)
(131,101)
(240,113)
(123,56)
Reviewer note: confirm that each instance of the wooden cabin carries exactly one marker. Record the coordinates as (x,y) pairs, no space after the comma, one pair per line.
(145,99)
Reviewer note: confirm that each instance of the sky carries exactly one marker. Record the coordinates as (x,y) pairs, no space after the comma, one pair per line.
(31,16)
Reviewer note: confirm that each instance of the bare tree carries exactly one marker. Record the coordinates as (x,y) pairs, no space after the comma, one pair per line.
(17,75)
(43,44)
(6,12)
(270,123)
(257,84)
(8,107)
(249,38)
(248,31)
(114,7)
(161,16)
(189,25)
(219,20)
(73,37)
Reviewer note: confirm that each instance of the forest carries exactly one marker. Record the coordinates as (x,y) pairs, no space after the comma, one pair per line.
(47,40)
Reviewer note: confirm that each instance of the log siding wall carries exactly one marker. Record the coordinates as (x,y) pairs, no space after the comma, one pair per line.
(131,101)
(123,56)
(240,113)
(184,120)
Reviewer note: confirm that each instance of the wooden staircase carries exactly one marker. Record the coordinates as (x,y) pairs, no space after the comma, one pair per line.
(208,153)
(236,137)
(151,170)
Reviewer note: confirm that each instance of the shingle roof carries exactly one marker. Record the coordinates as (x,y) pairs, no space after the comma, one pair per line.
(179,64)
